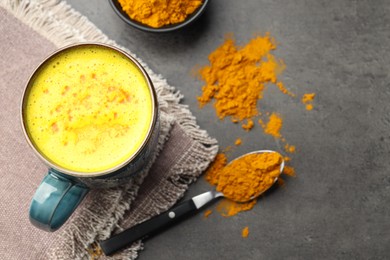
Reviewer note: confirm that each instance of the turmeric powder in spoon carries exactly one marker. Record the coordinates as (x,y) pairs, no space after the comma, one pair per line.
(243,178)
(247,177)
(158,13)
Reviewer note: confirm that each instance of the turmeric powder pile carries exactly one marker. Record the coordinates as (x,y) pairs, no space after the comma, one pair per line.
(243,179)
(158,13)
(236,80)
(236,77)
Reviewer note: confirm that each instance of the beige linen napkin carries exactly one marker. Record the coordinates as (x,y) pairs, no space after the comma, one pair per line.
(30,31)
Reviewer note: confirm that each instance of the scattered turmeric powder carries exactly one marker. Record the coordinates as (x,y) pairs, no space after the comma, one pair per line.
(238,141)
(307,99)
(227,149)
(283,89)
(273,126)
(236,77)
(245,232)
(207,213)
(289,148)
(249,125)
(236,80)
(228,208)
(158,13)
(280,182)
(288,170)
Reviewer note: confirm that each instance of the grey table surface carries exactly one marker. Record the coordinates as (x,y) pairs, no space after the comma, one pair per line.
(338,206)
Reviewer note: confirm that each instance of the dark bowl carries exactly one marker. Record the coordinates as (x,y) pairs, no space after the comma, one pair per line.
(168,28)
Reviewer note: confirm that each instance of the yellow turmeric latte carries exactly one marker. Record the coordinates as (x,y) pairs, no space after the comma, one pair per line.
(88,109)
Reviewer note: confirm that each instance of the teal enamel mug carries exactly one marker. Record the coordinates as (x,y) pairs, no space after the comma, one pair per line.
(90,113)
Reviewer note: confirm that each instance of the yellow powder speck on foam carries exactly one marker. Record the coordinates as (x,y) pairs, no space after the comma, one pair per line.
(89,109)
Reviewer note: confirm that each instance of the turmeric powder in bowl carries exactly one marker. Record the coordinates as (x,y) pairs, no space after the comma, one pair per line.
(159,15)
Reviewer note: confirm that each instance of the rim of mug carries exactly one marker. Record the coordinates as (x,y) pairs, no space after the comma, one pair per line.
(152,125)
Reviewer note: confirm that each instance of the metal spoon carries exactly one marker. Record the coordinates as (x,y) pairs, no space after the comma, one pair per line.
(167,218)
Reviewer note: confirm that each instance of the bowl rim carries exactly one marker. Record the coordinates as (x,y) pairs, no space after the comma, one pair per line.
(168,28)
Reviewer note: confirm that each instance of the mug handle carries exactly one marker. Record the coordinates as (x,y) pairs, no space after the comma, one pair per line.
(55,200)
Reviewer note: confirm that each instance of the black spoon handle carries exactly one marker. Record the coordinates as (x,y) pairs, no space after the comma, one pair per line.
(148,227)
